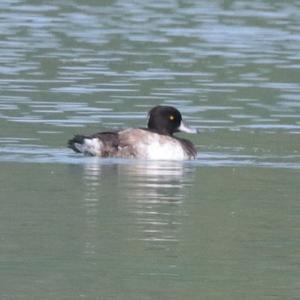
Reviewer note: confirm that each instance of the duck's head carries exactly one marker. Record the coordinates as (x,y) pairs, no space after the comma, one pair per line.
(167,120)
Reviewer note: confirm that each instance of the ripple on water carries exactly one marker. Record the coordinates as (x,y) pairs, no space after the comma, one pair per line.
(227,67)
(25,150)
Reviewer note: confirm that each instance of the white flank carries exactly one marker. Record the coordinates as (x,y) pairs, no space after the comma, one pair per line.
(164,148)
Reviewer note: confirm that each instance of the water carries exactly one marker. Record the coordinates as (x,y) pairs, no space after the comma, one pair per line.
(225,226)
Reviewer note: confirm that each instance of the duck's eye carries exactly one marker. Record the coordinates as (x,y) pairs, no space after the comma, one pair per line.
(171,117)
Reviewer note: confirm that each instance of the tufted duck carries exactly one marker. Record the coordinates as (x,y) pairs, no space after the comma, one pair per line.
(156,142)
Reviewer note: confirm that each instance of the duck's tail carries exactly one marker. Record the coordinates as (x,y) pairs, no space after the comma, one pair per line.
(100,144)
(86,145)
(76,143)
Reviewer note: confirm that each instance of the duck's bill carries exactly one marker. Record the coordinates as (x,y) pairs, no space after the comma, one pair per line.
(187,129)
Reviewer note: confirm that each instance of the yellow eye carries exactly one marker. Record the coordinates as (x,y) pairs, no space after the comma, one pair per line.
(171,117)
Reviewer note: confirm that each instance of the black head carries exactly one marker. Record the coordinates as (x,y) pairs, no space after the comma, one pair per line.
(166,120)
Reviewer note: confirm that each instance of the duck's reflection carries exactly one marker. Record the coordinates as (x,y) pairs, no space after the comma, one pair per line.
(155,199)
(146,196)
(91,177)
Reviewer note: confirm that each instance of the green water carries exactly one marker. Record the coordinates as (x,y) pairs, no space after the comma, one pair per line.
(148,231)
(225,226)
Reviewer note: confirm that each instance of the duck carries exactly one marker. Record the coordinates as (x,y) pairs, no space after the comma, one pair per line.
(156,142)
